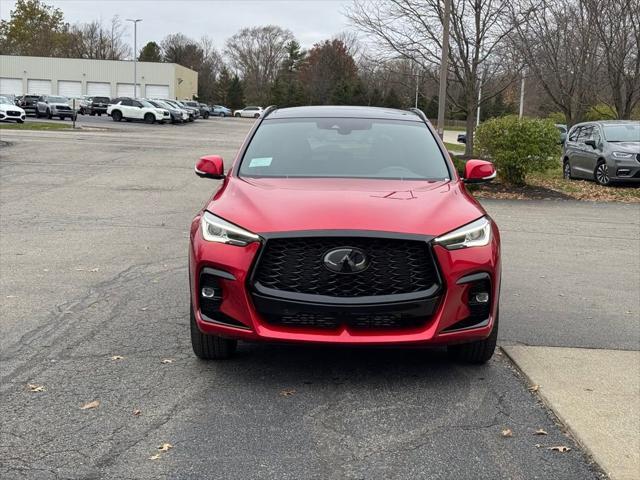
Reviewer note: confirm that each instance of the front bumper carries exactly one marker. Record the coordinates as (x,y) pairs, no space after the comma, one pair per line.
(625,170)
(439,316)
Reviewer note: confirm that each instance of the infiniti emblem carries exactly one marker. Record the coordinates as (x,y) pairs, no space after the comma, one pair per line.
(345,260)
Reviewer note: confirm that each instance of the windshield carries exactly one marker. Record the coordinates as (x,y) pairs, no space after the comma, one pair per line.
(4,100)
(101,99)
(146,104)
(344,148)
(628,132)
(57,99)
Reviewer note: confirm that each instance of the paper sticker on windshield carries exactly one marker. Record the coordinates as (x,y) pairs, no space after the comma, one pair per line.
(260,162)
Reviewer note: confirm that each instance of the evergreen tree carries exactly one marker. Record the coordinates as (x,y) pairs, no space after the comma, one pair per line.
(235,93)
(391,99)
(150,53)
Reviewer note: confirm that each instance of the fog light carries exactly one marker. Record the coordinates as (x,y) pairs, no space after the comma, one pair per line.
(208,292)
(481,297)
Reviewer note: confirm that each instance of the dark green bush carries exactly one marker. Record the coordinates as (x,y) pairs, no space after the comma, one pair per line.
(518,146)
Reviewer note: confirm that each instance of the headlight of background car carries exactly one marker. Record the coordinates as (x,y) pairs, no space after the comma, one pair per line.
(215,229)
(623,155)
(474,234)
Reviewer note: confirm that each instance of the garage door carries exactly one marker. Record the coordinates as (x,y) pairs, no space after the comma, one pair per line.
(11,85)
(67,88)
(157,91)
(126,90)
(99,89)
(39,87)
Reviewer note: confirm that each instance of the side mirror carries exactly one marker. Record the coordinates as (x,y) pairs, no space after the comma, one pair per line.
(591,143)
(210,166)
(479,171)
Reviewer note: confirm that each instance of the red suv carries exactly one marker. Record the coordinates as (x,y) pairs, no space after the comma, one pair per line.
(344,225)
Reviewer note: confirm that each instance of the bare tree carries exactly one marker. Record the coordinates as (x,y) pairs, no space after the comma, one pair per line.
(412,29)
(617,24)
(257,53)
(558,41)
(93,40)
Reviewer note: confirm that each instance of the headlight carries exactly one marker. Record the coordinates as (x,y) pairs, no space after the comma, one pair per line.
(474,234)
(623,155)
(215,229)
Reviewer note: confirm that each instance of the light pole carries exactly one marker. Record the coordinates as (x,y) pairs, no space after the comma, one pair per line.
(521,112)
(444,67)
(135,55)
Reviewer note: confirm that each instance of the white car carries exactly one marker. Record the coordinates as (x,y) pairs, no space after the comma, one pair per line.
(9,111)
(249,112)
(132,109)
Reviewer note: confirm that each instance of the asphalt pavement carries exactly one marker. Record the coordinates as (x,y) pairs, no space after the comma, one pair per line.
(94,307)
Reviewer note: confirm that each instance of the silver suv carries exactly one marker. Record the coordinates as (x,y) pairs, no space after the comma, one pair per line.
(604,151)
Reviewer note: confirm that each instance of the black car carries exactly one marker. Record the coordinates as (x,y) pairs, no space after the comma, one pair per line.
(28,103)
(203,112)
(99,105)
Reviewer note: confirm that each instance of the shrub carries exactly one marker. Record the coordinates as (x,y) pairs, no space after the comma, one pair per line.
(601,111)
(557,117)
(518,146)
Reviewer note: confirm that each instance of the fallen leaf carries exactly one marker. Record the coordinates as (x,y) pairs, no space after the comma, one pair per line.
(538,445)
(166,360)
(90,405)
(560,448)
(164,447)
(117,357)
(36,388)
(144,309)
(507,432)
(154,457)
(137,412)
(540,431)
(287,392)
(95,270)
(534,388)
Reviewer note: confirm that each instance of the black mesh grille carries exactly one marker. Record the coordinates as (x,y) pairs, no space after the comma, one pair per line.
(396,266)
(330,322)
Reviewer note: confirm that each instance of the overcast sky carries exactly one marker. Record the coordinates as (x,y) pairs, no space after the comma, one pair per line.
(310,20)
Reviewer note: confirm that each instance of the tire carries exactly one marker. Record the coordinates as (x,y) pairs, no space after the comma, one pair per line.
(222,114)
(601,174)
(37,113)
(149,118)
(257,115)
(48,114)
(99,114)
(476,352)
(116,115)
(566,170)
(20,121)
(237,115)
(210,347)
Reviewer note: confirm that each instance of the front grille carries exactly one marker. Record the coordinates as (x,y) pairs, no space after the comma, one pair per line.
(331,322)
(63,108)
(13,113)
(397,266)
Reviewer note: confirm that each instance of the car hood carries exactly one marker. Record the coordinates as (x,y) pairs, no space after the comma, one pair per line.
(633,147)
(58,104)
(403,206)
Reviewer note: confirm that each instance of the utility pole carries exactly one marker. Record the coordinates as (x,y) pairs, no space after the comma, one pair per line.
(521,96)
(444,67)
(135,53)
(417,77)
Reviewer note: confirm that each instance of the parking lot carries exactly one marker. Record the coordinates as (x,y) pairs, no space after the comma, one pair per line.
(95,306)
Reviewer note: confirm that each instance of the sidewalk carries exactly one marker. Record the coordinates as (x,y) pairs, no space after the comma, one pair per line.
(596,394)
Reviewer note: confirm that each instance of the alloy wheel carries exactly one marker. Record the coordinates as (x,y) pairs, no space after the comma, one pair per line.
(567,171)
(602,174)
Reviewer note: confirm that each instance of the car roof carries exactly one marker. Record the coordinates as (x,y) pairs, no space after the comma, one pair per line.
(328,111)
(608,122)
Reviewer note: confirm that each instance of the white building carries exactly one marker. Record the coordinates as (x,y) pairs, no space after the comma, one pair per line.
(73,77)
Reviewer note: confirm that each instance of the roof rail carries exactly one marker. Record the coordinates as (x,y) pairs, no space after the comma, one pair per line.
(421,114)
(268,110)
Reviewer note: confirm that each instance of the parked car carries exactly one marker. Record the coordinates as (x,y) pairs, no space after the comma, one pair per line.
(28,103)
(177,115)
(54,106)
(462,138)
(10,111)
(275,255)
(81,103)
(97,105)
(194,113)
(204,112)
(562,128)
(249,112)
(220,111)
(189,111)
(11,97)
(604,151)
(135,109)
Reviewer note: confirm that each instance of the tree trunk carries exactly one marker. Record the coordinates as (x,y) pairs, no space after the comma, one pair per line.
(471,123)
